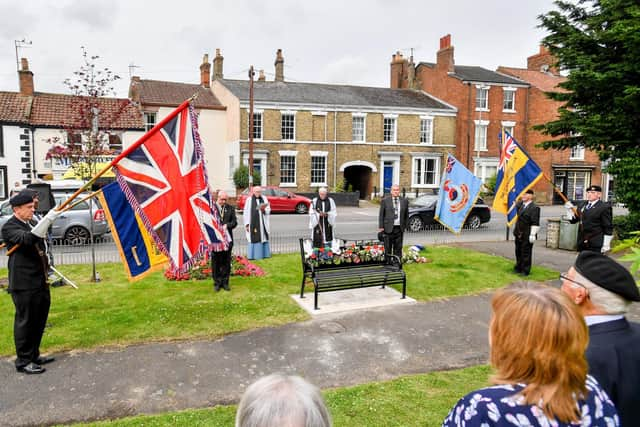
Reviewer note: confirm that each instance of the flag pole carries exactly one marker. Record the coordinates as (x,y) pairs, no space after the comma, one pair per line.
(506,231)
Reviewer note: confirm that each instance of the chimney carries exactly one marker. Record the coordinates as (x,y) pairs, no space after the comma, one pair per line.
(398,71)
(261,77)
(134,89)
(543,61)
(26,78)
(279,66)
(205,71)
(411,74)
(217,65)
(445,55)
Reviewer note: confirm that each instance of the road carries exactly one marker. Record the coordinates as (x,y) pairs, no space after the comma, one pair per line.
(353,223)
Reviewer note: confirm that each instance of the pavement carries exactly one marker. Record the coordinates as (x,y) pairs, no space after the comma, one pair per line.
(331,350)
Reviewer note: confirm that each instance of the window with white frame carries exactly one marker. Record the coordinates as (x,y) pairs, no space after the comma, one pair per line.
(319,170)
(482,98)
(287,170)
(149,121)
(509,130)
(577,153)
(288,126)
(480,135)
(3,183)
(426,130)
(389,129)
(425,172)
(509,99)
(357,127)
(257,125)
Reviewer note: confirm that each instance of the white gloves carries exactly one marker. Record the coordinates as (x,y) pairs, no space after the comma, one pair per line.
(570,210)
(606,245)
(534,233)
(43,225)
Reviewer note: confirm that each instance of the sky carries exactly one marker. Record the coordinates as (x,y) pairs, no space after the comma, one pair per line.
(329,41)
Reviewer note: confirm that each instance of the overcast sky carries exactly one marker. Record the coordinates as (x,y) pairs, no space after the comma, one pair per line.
(347,42)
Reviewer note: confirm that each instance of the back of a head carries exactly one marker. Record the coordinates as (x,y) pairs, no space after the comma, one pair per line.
(282,401)
(538,337)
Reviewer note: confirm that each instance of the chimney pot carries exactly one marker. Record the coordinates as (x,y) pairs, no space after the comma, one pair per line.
(25,64)
(279,66)
(445,41)
(261,76)
(445,61)
(205,71)
(217,65)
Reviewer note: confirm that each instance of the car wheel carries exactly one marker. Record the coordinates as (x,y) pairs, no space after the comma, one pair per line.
(301,208)
(77,235)
(415,223)
(473,222)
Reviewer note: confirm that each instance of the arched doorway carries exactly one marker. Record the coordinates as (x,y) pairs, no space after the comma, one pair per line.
(357,174)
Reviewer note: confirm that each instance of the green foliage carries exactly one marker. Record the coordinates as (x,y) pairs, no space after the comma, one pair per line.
(340,186)
(490,185)
(598,43)
(241,177)
(625,225)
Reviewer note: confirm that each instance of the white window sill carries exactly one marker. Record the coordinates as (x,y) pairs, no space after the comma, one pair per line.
(509,111)
(484,110)
(480,149)
(288,185)
(322,184)
(424,186)
(390,142)
(576,159)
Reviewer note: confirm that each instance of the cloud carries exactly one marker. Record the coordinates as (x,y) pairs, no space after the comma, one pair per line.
(96,15)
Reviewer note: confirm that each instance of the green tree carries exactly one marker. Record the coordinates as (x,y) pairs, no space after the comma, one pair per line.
(598,43)
(241,177)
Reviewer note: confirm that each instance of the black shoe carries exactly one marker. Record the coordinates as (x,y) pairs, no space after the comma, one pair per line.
(227,288)
(31,369)
(216,288)
(43,360)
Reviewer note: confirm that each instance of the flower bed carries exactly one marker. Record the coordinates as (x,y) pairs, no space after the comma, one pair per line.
(202,269)
(350,254)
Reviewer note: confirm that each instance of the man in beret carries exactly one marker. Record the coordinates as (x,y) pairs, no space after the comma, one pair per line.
(28,265)
(603,290)
(526,231)
(595,218)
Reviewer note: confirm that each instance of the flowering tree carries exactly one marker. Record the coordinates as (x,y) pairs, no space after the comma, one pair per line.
(91,118)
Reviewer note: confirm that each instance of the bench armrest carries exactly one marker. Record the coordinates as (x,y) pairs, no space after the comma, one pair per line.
(394,261)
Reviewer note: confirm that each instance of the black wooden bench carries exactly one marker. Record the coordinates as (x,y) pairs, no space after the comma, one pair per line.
(333,277)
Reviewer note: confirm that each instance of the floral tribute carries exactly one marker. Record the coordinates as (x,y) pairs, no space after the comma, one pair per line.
(202,269)
(413,256)
(350,254)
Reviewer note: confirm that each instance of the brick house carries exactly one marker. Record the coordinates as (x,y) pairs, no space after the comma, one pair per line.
(308,135)
(156,99)
(29,120)
(486,101)
(571,170)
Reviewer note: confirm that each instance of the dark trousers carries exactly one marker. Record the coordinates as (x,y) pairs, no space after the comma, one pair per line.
(523,255)
(393,242)
(221,267)
(32,310)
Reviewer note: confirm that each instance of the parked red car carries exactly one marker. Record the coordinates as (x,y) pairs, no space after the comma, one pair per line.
(280,200)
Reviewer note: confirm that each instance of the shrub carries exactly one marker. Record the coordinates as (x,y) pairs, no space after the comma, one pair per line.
(241,177)
(624,225)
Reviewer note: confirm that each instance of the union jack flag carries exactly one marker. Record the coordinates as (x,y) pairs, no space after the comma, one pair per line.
(507,150)
(164,179)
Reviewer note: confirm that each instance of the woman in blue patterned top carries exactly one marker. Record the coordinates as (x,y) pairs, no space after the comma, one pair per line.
(537,339)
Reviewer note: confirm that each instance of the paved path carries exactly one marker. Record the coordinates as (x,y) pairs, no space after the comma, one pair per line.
(331,351)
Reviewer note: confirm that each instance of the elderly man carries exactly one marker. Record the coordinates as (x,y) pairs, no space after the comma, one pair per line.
(221,260)
(322,218)
(28,265)
(595,218)
(603,290)
(256,223)
(393,219)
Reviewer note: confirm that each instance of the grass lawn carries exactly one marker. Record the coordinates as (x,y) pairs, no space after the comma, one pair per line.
(416,400)
(116,312)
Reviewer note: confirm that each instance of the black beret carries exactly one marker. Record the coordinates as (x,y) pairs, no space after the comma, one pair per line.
(22,198)
(608,274)
(529,191)
(594,188)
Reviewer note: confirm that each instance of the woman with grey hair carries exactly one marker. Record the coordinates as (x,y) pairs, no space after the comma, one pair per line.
(282,401)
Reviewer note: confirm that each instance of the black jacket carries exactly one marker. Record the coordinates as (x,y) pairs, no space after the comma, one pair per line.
(229,218)
(28,264)
(594,224)
(613,355)
(527,217)
(386,214)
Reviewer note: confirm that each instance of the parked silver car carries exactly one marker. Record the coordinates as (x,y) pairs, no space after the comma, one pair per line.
(71,227)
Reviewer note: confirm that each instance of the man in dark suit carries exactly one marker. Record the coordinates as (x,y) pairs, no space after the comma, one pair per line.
(603,290)
(221,260)
(28,265)
(526,232)
(595,218)
(392,221)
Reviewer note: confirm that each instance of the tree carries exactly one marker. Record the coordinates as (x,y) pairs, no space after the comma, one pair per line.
(90,128)
(598,43)
(241,177)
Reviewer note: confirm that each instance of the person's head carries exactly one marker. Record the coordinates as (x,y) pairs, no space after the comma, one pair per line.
(282,401)
(527,196)
(599,285)
(594,192)
(222,198)
(395,190)
(322,192)
(538,337)
(23,205)
(257,191)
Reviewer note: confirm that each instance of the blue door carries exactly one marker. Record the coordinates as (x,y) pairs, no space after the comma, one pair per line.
(387,180)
